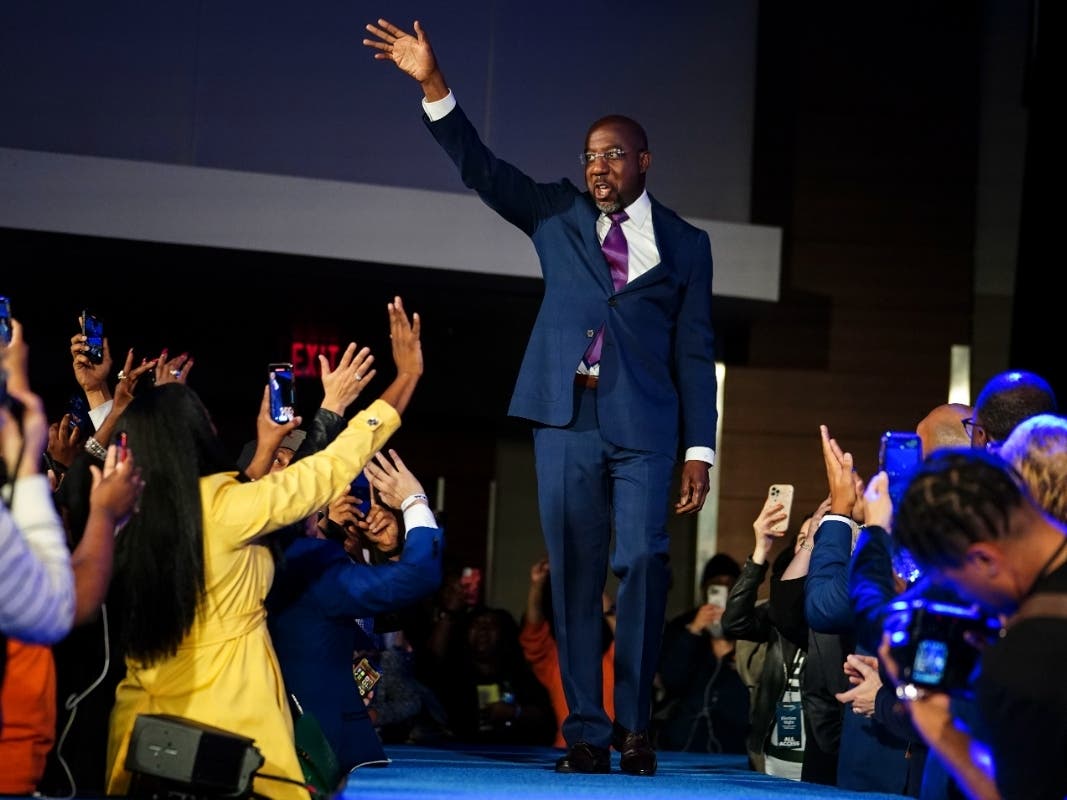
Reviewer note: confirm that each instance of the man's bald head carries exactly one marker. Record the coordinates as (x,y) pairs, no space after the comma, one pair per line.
(943,427)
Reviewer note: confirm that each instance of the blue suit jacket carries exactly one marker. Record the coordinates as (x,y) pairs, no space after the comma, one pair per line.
(657,361)
(873,757)
(827,605)
(311,611)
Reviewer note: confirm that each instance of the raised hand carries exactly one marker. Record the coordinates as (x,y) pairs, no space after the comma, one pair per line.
(91,377)
(116,489)
(845,486)
(65,442)
(340,387)
(25,439)
(172,370)
(129,377)
(877,505)
(405,337)
(411,53)
(539,572)
(269,435)
(392,479)
(770,515)
(407,355)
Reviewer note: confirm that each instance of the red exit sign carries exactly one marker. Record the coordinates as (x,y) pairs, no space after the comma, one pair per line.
(305,357)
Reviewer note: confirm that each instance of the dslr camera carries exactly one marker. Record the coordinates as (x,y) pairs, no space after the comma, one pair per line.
(936,644)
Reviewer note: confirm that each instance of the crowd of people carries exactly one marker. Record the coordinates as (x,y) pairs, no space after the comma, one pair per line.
(159,574)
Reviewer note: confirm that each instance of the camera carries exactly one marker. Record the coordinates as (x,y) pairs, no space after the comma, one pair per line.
(936,644)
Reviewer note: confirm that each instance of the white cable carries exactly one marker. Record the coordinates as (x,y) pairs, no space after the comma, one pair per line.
(71,705)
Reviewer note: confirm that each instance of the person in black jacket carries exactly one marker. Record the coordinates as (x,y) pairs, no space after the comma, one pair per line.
(776,742)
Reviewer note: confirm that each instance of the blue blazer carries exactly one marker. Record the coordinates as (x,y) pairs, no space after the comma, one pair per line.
(827,604)
(311,610)
(658,359)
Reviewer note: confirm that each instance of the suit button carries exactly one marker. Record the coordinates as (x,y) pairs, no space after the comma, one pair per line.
(611,302)
(589,334)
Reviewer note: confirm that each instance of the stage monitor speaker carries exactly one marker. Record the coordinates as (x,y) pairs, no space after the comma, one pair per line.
(208,761)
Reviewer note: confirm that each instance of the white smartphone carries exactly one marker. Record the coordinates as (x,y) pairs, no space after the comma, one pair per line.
(717,595)
(781,493)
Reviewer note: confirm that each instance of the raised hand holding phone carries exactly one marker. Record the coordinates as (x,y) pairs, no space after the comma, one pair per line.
(781,493)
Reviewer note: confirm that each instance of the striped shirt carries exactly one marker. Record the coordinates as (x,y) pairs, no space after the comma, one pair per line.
(36,579)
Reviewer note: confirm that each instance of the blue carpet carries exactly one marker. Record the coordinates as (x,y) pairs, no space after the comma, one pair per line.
(428,773)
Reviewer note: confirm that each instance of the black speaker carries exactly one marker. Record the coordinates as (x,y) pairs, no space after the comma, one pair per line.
(175,756)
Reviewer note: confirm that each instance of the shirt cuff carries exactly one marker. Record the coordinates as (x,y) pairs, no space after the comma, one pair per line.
(705,454)
(437,109)
(838,517)
(419,516)
(99,414)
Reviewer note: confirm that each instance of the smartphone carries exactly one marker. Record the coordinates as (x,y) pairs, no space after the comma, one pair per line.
(282,391)
(366,676)
(360,490)
(93,329)
(79,414)
(899,453)
(781,493)
(5,339)
(5,321)
(716,595)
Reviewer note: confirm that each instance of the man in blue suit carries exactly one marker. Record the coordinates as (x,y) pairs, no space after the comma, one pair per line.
(619,370)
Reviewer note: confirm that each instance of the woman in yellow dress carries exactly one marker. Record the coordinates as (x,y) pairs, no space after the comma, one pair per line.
(195,567)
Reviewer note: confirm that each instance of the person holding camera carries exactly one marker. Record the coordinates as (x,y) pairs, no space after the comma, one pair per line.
(970,519)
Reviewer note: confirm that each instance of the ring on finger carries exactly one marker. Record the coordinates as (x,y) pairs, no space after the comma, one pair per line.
(177,373)
(122,375)
(358,377)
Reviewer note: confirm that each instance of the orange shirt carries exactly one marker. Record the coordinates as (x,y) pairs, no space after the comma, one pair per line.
(28,700)
(540,650)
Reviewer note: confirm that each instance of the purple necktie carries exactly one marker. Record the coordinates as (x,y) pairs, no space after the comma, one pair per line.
(618,257)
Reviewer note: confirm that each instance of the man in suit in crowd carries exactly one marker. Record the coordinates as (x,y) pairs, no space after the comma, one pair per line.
(619,367)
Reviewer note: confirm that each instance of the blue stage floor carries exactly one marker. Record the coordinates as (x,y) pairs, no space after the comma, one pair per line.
(425,773)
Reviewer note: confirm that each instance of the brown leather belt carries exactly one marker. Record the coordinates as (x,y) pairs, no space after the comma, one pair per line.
(586,381)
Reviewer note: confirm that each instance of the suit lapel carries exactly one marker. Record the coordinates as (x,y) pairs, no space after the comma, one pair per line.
(664,239)
(587,225)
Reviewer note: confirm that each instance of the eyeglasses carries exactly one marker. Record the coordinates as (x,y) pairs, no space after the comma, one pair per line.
(969,425)
(614,154)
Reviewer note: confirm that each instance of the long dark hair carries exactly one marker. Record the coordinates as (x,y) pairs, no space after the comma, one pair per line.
(160,554)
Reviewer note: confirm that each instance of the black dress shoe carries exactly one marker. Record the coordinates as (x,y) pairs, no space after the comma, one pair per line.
(638,757)
(585,757)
